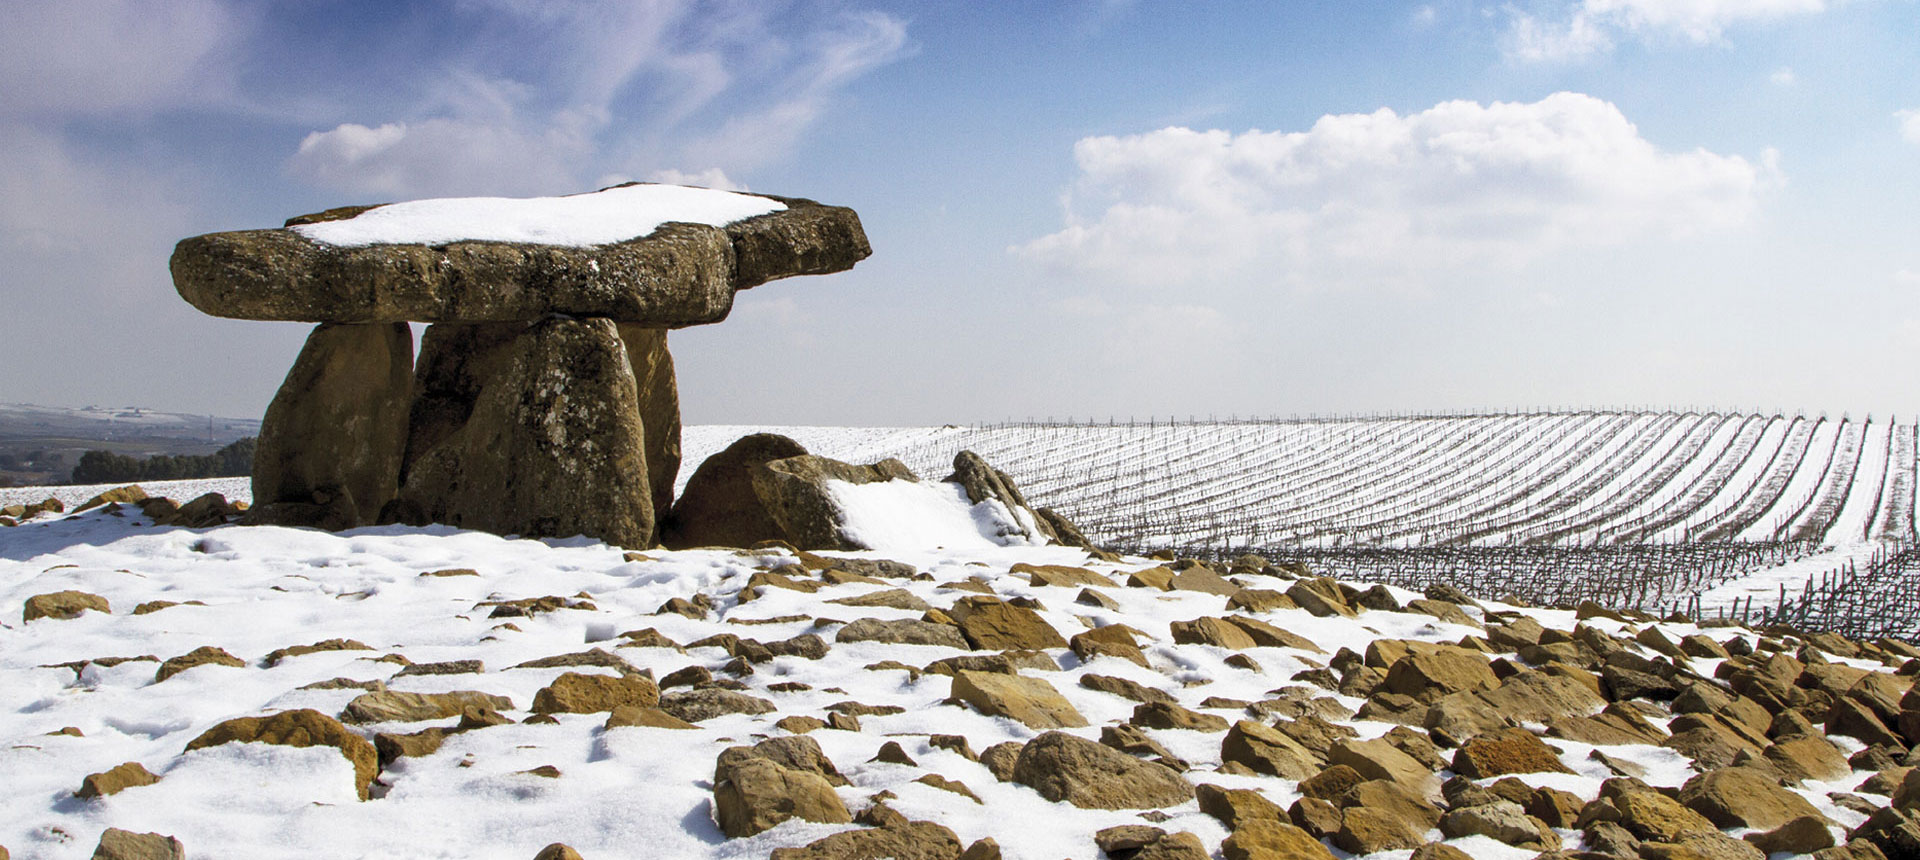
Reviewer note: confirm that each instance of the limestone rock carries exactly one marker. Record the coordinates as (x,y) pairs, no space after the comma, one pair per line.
(752,794)
(1266,750)
(333,439)
(63,605)
(114,780)
(395,706)
(1743,797)
(696,706)
(905,631)
(659,395)
(117,844)
(1380,759)
(1030,701)
(1506,751)
(795,495)
(1803,835)
(1062,767)
(1501,820)
(903,840)
(202,656)
(301,728)
(719,507)
(984,483)
(578,693)
(534,431)
(1272,840)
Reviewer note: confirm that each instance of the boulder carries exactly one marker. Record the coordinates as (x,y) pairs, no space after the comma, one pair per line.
(205,655)
(984,483)
(992,624)
(1163,715)
(1126,689)
(558,851)
(395,706)
(1211,631)
(1512,750)
(1060,575)
(63,605)
(795,494)
(1062,767)
(115,779)
(905,631)
(655,718)
(752,793)
(301,728)
(1501,820)
(719,507)
(1235,807)
(334,437)
(117,844)
(1427,676)
(1743,797)
(1366,829)
(1378,758)
(1650,815)
(659,394)
(531,430)
(696,706)
(1272,840)
(794,752)
(578,693)
(899,840)
(1030,701)
(1267,750)
(891,598)
(1803,835)
(1321,596)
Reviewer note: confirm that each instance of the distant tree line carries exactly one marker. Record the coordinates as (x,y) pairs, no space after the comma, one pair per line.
(106,467)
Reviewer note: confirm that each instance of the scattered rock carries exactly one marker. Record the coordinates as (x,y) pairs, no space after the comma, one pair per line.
(201,656)
(755,788)
(1743,797)
(902,632)
(301,728)
(1030,701)
(696,706)
(578,693)
(63,605)
(113,780)
(1272,840)
(1506,751)
(117,844)
(991,624)
(394,706)
(1062,767)
(903,840)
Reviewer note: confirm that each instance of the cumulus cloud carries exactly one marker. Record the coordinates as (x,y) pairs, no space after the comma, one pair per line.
(557,92)
(1909,124)
(1385,199)
(1586,27)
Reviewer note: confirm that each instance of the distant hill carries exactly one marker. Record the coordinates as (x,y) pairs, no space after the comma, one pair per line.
(41,444)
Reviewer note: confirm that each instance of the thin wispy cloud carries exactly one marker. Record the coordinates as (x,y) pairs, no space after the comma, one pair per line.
(1571,31)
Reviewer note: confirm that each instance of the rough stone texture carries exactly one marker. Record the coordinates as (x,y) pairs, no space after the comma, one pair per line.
(795,753)
(1803,835)
(1031,701)
(1272,840)
(752,794)
(1436,673)
(1210,631)
(116,779)
(902,840)
(117,844)
(1743,797)
(301,728)
(654,718)
(681,274)
(1806,757)
(1501,820)
(205,655)
(1126,689)
(63,605)
(991,624)
(1653,816)
(394,706)
(1060,575)
(1366,829)
(1268,751)
(332,443)
(1235,807)
(794,493)
(985,483)
(1506,751)
(558,851)
(1268,636)
(551,445)
(697,705)
(1088,775)
(659,395)
(1380,759)
(905,631)
(577,693)
(719,507)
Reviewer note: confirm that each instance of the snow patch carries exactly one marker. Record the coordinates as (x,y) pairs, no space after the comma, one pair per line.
(905,515)
(578,220)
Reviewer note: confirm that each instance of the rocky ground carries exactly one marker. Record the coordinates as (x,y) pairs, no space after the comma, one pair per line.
(210,690)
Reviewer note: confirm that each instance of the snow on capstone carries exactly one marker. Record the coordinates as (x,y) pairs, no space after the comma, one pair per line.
(577,220)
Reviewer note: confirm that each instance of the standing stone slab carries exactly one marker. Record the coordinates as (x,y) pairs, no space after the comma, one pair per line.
(719,507)
(552,445)
(659,409)
(330,448)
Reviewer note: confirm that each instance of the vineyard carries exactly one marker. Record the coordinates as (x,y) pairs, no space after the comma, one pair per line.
(1802,518)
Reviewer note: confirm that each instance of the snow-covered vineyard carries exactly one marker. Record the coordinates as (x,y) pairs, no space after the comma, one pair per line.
(1807,516)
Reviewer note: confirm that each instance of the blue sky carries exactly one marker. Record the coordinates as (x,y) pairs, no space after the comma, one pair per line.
(1077,208)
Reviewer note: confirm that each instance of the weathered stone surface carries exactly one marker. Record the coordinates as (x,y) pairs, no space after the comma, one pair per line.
(117,844)
(558,851)
(301,728)
(1126,689)
(1501,820)
(1164,715)
(1030,701)
(1060,575)
(578,693)
(630,715)
(1268,636)
(1806,757)
(1320,596)
(794,752)
(891,598)
(1088,775)
(992,624)
(1366,829)
(205,655)
(906,631)
(794,493)
(719,507)
(1506,751)
(699,705)
(659,394)
(63,605)
(115,779)
(1803,835)
(1272,840)
(984,483)
(1429,675)
(1650,815)
(1267,750)
(1235,807)
(550,442)
(899,840)
(1210,631)
(752,794)
(1743,797)
(274,657)
(1113,640)
(394,706)
(1380,759)
(332,444)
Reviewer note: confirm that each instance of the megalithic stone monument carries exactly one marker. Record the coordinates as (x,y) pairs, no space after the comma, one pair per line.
(544,401)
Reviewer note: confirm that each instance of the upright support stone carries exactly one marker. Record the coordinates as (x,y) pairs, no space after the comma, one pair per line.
(551,445)
(659,410)
(331,444)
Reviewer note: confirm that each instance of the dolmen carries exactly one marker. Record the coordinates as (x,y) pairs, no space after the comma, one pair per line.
(543,402)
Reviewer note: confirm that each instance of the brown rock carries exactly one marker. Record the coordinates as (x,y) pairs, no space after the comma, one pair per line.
(392,746)
(1430,675)
(984,483)
(1001,758)
(394,706)
(1321,596)
(719,507)
(991,624)
(1506,751)
(558,851)
(1237,806)
(333,439)
(1803,835)
(1030,701)
(1806,757)
(531,430)
(659,395)
(1062,767)
(126,495)
(1365,829)
(1652,816)
(1060,575)
(63,605)
(1272,840)
(1380,759)
(301,728)
(905,631)
(1174,846)
(114,780)
(1331,783)
(1268,636)
(1211,631)
(1162,715)
(201,656)
(753,793)
(578,693)
(1266,750)
(117,844)
(1743,797)
(904,840)
(1438,850)
(794,493)
(696,706)
(1112,640)
(274,657)
(1317,817)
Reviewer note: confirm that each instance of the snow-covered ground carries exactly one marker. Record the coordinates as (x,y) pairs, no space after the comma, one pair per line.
(621,792)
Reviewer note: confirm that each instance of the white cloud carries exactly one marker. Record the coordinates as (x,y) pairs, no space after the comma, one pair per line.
(1384,199)
(1909,124)
(1587,27)
(100,56)
(712,177)
(553,93)
(1783,76)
